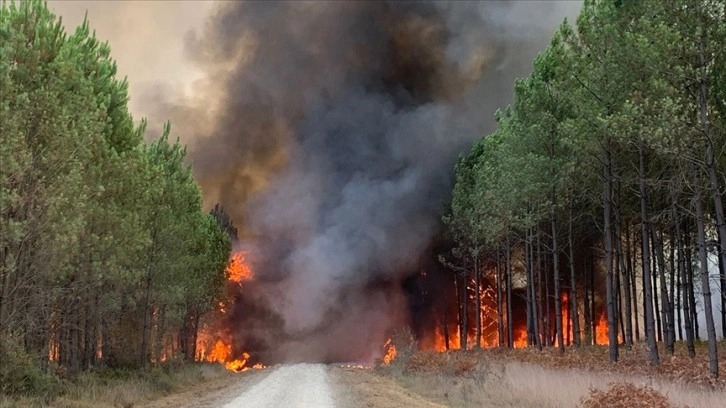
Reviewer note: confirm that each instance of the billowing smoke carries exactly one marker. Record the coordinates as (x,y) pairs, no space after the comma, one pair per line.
(329,131)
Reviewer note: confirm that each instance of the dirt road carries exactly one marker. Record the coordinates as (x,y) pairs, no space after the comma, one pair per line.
(299,386)
(491,385)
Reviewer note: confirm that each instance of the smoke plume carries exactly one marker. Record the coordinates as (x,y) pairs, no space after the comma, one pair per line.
(329,131)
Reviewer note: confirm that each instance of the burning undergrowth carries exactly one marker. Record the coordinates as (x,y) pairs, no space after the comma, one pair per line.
(329,131)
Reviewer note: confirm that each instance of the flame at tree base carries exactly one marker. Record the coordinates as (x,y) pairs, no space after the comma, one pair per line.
(216,345)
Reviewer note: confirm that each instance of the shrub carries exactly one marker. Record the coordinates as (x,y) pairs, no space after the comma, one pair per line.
(21,375)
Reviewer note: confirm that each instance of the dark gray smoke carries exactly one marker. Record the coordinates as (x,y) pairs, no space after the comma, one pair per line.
(329,130)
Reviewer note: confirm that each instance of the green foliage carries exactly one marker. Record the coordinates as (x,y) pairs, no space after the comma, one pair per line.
(618,125)
(102,237)
(20,374)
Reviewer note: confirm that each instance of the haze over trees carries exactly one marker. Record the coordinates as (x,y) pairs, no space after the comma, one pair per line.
(609,162)
(105,252)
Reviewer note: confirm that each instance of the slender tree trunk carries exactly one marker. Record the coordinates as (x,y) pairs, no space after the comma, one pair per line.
(477,303)
(684,285)
(533,330)
(665,303)
(75,340)
(654,275)
(679,305)
(464,322)
(625,273)
(144,351)
(159,340)
(548,329)
(530,291)
(673,291)
(586,301)
(500,317)
(556,268)
(631,272)
(445,328)
(573,284)
(691,287)
(647,289)
(607,219)
(705,282)
(593,300)
(722,282)
(539,296)
(510,319)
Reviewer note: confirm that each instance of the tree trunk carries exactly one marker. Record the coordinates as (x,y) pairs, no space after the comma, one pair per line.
(654,275)
(631,272)
(706,284)
(722,282)
(607,219)
(464,322)
(446,330)
(510,320)
(647,289)
(573,285)
(665,303)
(673,291)
(684,286)
(477,303)
(586,301)
(688,236)
(625,279)
(539,296)
(500,318)
(556,268)
(145,333)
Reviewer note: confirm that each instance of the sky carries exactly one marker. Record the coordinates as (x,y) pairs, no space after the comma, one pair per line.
(146,39)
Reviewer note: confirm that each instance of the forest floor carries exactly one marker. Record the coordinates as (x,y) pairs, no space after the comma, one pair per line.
(528,377)
(524,378)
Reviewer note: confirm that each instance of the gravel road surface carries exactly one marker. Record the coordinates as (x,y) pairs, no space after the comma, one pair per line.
(293,386)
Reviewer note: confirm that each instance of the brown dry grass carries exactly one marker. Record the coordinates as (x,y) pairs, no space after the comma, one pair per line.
(626,395)
(527,377)
(677,368)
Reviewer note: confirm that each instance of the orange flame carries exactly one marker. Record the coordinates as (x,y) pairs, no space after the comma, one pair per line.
(237,271)
(601,330)
(390,352)
(437,342)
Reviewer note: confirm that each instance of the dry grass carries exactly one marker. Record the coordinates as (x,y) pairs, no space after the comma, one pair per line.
(626,395)
(123,389)
(528,378)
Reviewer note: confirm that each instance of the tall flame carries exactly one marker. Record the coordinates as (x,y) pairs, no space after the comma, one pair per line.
(390,352)
(237,272)
(438,341)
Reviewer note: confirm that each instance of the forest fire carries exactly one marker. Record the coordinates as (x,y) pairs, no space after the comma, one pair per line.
(217,346)
(445,334)
(390,352)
